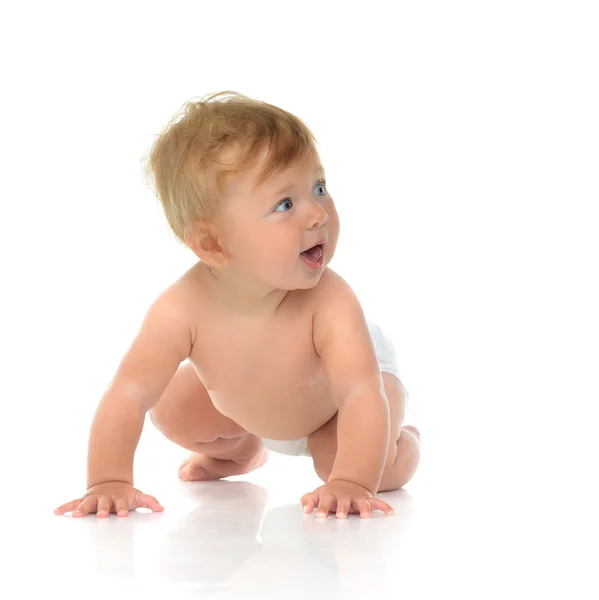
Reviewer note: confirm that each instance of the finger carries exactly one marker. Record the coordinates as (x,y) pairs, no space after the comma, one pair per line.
(121,508)
(327,502)
(104,506)
(343,506)
(88,505)
(378,504)
(309,501)
(147,501)
(67,507)
(361,503)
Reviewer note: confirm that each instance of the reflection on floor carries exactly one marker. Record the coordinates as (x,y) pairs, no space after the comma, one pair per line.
(247,537)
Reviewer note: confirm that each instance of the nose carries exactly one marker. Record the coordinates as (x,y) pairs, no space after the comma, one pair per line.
(318,216)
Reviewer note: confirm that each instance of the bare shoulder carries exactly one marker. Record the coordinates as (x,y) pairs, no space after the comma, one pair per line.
(335,302)
(191,284)
(183,291)
(180,301)
(329,282)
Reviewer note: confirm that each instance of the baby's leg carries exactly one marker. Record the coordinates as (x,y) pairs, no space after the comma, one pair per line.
(186,416)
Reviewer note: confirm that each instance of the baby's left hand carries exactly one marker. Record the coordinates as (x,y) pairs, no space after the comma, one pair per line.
(343,496)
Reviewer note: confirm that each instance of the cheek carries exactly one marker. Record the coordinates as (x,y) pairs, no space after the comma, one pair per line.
(334,226)
(272,250)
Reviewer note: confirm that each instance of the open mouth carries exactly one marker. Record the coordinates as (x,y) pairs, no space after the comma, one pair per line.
(314,256)
(313,252)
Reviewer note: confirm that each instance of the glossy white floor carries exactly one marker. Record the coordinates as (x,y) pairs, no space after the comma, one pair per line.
(459,529)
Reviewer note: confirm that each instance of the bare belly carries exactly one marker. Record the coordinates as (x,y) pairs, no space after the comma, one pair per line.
(277,414)
(264,373)
(270,381)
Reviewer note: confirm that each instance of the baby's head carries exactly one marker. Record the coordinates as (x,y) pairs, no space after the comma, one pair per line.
(242,185)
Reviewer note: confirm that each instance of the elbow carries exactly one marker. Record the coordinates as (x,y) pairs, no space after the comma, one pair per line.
(366,401)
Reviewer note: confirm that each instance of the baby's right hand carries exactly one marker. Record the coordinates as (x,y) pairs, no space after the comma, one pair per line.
(111,496)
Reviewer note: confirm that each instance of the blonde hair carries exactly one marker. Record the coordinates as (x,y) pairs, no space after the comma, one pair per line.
(196,136)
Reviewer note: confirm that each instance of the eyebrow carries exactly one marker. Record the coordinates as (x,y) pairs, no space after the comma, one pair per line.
(319,169)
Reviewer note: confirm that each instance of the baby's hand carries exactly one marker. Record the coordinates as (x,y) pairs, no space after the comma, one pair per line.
(111,496)
(343,496)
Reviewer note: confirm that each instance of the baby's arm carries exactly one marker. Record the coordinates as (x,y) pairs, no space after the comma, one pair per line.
(164,340)
(343,342)
(162,343)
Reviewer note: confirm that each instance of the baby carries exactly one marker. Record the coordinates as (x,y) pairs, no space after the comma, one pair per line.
(279,353)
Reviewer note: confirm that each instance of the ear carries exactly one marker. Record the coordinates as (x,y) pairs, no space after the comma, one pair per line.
(203,240)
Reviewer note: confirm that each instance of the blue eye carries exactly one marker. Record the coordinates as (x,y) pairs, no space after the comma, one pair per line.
(323,184)
(282,201)
(319,183)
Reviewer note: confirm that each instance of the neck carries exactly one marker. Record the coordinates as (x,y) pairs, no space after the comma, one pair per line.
(241,296)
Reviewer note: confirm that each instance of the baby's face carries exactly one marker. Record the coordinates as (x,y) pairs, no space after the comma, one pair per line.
(268,226)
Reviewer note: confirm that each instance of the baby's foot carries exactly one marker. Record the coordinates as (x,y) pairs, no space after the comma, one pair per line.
(413,430)
(198,467)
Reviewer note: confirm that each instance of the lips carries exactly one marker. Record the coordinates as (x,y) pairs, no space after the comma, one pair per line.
(315,251)
(320,243)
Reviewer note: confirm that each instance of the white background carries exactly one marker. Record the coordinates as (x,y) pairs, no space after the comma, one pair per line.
(461,146)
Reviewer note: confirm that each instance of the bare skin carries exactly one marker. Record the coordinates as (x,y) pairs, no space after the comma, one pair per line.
(258,372)
(249,318)
(279,390)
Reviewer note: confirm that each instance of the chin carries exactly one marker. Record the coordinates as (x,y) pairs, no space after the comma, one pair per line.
(306,286)
(311,281)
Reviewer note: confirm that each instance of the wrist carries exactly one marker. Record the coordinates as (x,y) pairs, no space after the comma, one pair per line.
(370,490)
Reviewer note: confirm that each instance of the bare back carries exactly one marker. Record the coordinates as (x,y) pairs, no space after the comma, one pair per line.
(264,374)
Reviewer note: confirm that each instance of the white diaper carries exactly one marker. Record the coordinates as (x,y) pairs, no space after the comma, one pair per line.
(385,354)
(291,447)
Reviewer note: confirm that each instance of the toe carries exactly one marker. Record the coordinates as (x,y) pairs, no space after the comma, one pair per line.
(192,472)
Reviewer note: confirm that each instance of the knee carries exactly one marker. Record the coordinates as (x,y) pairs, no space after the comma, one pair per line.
(323,472)
(323,457)
(403,468)
(155,418)
(164,423)
(179,427)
